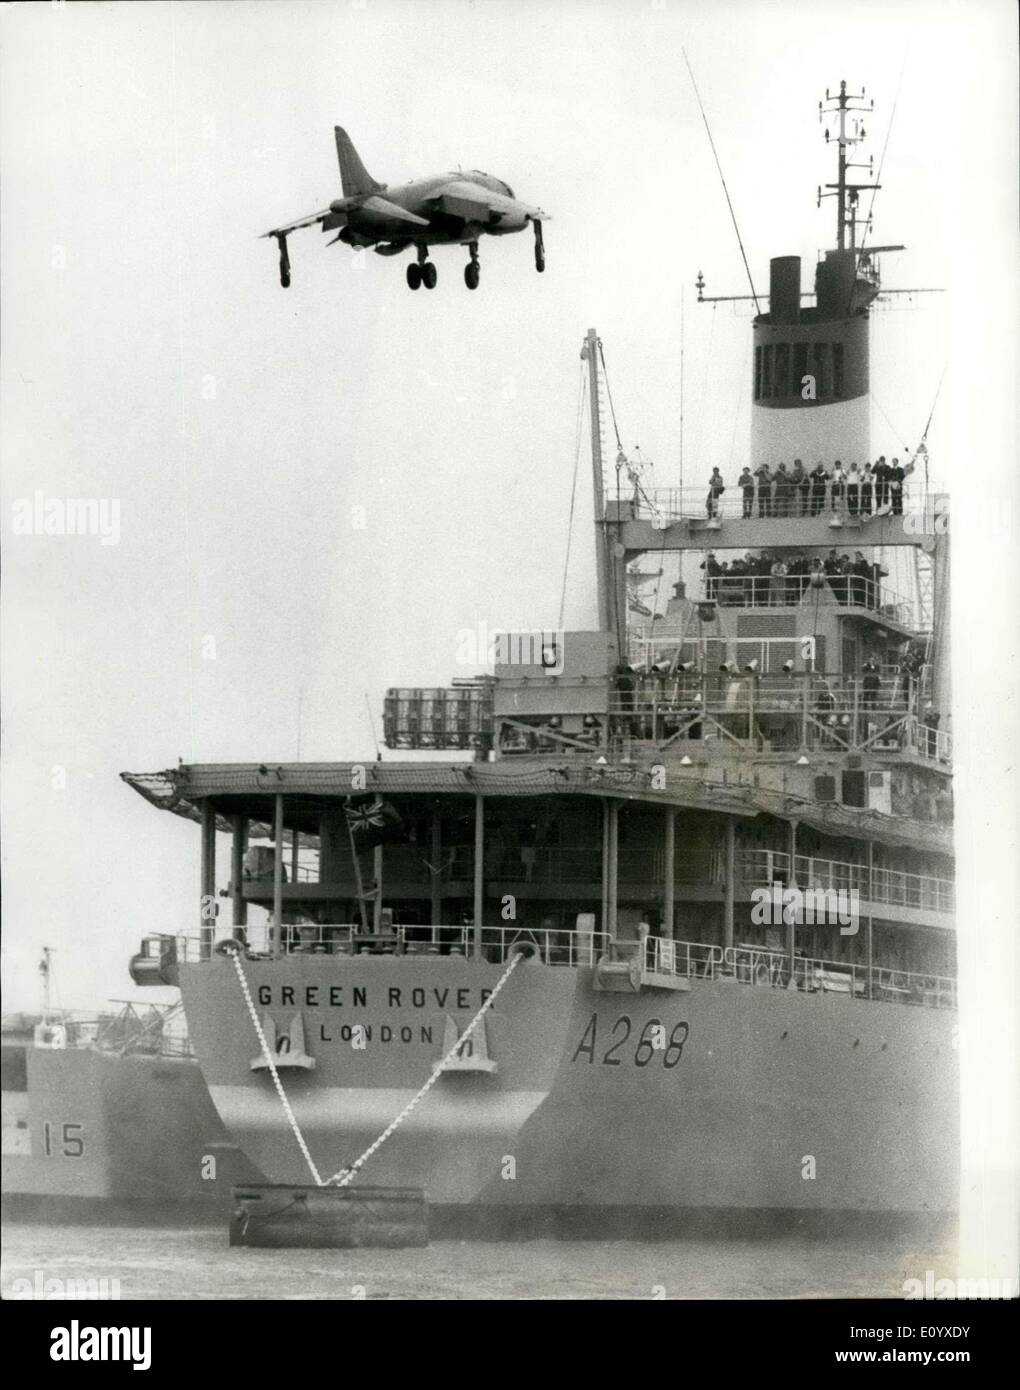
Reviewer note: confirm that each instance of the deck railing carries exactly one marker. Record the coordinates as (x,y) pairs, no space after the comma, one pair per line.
(776,712)
(544,865)
(554,946)
(691,960)
(772,692)
(890,886)
(762,966)
(678,504)
(793,590)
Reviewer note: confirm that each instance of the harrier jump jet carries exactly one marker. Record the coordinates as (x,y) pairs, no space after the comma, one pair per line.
(446,208)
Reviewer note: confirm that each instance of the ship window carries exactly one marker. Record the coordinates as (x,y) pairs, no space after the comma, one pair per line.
(15,1069)
(799,366)
(825,788)
(757,373)
(837,369)
(766,381)
(782,369)
(854,793)
(821,368)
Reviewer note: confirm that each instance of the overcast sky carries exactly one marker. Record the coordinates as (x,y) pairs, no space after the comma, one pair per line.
(150,356)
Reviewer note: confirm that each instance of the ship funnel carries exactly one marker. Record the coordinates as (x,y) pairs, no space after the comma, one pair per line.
(784,289)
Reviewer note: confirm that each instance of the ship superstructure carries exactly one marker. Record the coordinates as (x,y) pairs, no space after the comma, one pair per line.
(721,836)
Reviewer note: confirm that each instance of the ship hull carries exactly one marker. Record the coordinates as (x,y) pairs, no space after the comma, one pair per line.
(762,1100)
(89,1129)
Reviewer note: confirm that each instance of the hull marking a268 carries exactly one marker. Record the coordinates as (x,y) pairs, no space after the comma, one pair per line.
(612,1049)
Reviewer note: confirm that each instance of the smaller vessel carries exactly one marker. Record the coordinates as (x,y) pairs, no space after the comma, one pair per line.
(111,1110)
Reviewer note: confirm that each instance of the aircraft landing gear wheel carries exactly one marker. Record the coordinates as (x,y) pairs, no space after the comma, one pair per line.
(472,274)
(281,242)
(429,275)
(414,276)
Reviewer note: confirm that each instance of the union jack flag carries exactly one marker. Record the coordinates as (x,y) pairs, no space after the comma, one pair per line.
(373,820)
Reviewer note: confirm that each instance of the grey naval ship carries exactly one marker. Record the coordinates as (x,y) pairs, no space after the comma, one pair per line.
(665,922)
(109,1114)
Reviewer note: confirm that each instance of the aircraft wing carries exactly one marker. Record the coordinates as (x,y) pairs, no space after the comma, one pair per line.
(382,207)
(368,210)
(473,203)
(302,222)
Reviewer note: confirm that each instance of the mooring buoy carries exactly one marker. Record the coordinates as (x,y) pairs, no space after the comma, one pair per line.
(277,1215)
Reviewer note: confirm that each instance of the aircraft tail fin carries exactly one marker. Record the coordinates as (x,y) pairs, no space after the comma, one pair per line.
(354,177)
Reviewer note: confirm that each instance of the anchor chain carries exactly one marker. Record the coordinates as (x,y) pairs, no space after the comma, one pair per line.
(235,956)
(344,1175)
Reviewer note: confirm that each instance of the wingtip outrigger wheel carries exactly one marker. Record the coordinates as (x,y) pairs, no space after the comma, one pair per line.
(539,247)
(281,240)
(473,269)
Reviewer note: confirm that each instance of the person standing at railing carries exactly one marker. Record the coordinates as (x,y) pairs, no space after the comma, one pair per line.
(747,569)
(871,686)
(716,488)
(861,580)
(625,683)
(833,573)
(786,491)
(726,587)
(819,483)
(881,474)
(712,569)
(797,579)
(802,487)
(866,490)
(764,476)
(877,575)
(838,489)
(777,584)
(896,478)
(746,484)
(853,490)
(762,578)
(930,729)
(825,706)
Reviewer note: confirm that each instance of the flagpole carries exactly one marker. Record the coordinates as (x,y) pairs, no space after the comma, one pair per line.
(357,874)
(377,874)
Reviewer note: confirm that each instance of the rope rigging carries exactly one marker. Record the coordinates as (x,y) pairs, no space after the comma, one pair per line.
(861,250)
(343,1176)
(609,394)
(235,956)
(729,202)
(581,398)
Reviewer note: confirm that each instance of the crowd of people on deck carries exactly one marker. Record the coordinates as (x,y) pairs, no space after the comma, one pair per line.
(796,492)
(892,695)
(769,579)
